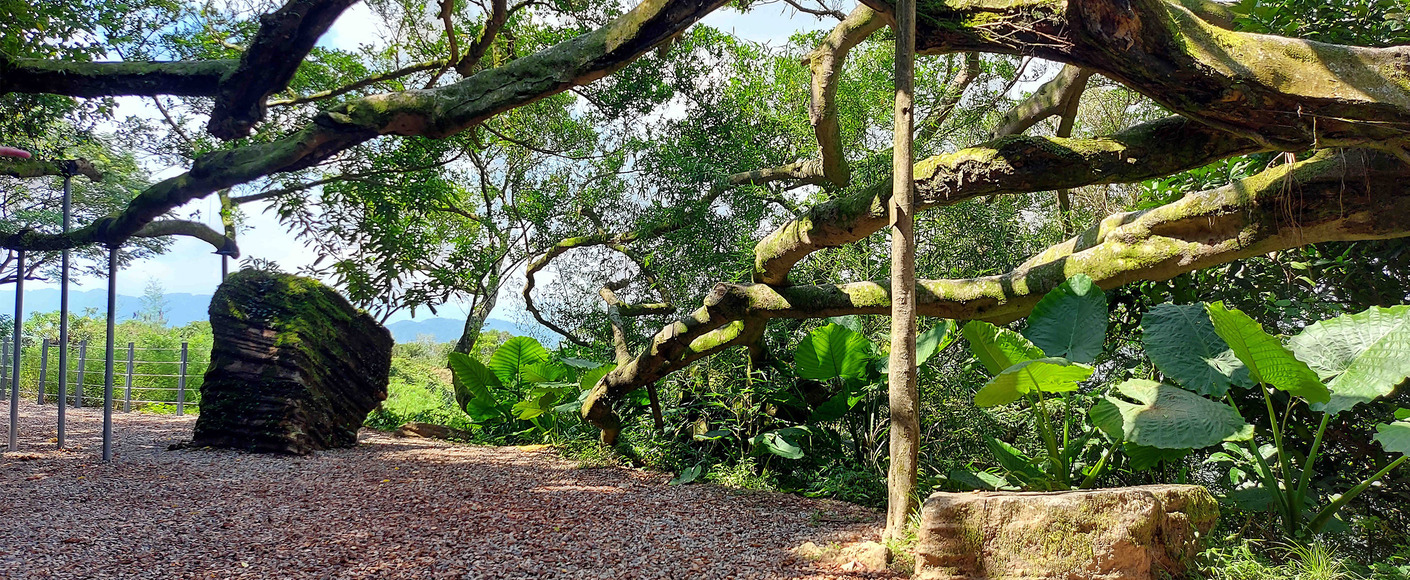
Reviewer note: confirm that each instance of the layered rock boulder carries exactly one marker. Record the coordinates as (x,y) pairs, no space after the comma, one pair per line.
(1132,533)
(294,367)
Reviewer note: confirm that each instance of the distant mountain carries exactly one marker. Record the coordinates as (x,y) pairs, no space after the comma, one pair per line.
(448,329)
(183,309)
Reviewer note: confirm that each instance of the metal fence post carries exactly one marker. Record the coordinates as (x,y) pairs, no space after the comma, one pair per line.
(127,399)
(181,383)
(4,367)
(43,369)
(78,386)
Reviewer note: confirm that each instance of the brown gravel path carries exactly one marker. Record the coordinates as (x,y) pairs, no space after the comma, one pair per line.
(391,508)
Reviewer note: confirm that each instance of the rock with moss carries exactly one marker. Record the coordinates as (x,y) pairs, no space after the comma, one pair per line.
(1132,533)
(294,367)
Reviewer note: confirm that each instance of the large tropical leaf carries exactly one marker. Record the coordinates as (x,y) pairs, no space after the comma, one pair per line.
(514,354)
(832,351)
(1168,417)
(1144,457)
(545,371)
(935,340)
(473,383)
(1050,375)
(1365,355)
(1182,343)
(998,348)
(1268,361)
(782,442)
(589,378)
(1070,321)
(1394,437)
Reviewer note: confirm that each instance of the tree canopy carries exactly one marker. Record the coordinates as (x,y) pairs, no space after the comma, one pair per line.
(647,164)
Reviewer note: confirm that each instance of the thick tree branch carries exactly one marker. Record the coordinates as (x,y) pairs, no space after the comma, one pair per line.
(498,17)
(1286,94)
(33,167)
(435,113)
(1335,196)
(826,62)
(198,230)
(1045,102)
(284,39)
(112,78)
(1018,164)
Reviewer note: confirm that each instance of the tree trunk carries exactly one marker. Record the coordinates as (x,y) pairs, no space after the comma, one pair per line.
(905,407)
(479,312)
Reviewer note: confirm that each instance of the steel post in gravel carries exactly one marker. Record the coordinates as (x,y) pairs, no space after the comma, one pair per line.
(82,364)
(181,384)
(127,399)
(43,368)
(108,356)
(4,367)
(64,304)
(15,380)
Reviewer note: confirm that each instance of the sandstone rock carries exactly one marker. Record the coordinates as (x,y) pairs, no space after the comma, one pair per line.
(1132,533)
(294,367)
(431,431)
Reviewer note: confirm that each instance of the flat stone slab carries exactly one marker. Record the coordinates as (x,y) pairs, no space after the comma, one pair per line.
(1150,532)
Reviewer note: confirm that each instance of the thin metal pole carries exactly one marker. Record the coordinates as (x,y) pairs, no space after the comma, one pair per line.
(4,366)
(108,371)
(82,366)
(224,267)
(43,369)
(64,309)
(15,380)
(127,399)
(181,384)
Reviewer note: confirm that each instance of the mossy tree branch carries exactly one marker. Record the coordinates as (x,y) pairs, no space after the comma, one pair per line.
(1018,164)
(435,113)
(1284,93)
(1338,195)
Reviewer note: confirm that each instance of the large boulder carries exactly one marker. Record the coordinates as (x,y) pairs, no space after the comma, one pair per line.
(1132,533)
(294,367)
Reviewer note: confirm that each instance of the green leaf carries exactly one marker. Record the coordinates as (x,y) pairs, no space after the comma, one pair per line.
(1268,361)
(1402,414)
(686,475)
(964,479)
(472,382)
(1183,344)
(998,348)
(851,322)
(782,442)
(1172,418)
(935,340)
(832,351)
(579,363)
(515,354)
(1394,437)
(834,408)
(590,378)
(1106,416)
(1144,457)
(1365,355)
(1070,321)
(543,372)
(1014,461)
(1049,375)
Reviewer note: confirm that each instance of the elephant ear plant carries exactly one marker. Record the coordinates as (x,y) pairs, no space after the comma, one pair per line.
(1208,350)
(524,388)
(1041,368)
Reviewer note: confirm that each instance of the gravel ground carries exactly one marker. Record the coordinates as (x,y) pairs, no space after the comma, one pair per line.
(390,508)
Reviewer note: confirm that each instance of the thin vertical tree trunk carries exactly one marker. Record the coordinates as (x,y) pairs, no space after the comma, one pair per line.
(905,404)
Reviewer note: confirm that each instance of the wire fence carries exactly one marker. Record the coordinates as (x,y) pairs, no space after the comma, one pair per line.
(154,378)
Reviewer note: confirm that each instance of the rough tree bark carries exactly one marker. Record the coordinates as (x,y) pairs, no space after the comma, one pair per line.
(904,402)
